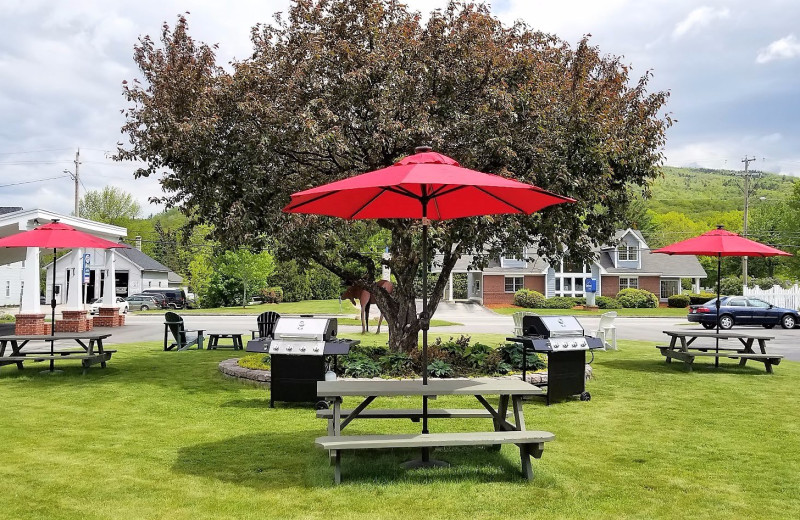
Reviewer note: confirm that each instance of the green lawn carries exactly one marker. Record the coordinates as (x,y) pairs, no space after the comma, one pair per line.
(163,435)
(332,307)
(660,312)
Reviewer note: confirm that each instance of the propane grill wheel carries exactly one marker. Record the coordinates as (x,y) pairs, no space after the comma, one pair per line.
(586,396)
(322,405)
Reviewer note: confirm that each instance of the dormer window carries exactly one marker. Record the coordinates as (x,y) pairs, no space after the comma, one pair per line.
(628,253)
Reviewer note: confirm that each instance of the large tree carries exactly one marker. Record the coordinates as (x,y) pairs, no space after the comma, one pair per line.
(340,87)
(110,205)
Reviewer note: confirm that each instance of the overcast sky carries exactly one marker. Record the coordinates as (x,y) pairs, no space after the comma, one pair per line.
(733,68)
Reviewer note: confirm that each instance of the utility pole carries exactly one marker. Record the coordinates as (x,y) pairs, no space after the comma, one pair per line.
(746,161)
(76,177)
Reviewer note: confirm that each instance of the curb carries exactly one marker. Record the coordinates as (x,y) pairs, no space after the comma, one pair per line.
(231,368)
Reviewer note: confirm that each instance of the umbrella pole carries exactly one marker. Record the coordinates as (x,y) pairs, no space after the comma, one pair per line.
(53,314)
(719,261)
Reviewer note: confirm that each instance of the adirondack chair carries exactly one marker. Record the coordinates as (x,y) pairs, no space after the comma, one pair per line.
(173,323)
(266,324)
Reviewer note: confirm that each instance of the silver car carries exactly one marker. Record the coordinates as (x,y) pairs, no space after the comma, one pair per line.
(140,302)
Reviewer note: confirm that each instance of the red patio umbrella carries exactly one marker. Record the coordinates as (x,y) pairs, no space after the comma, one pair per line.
(56,236)
(427,186)
(720,242)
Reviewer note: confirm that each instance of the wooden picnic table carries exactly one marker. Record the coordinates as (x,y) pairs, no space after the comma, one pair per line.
(91,352)
(682,347)
(509,391)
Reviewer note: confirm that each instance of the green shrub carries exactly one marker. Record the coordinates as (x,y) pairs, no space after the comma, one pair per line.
(578,300)
(559,302)
(477,354)
(397,364)
(730,286)
(606,302)
(440,368)
(359,365)
(272,295)
(697,299)
(255,362)
(512,355)
(529,299)
(637,299)
(678,301)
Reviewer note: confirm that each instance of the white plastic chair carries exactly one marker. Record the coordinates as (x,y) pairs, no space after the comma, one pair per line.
(607,331)
(518,321)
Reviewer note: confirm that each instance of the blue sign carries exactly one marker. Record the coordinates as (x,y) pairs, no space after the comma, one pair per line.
(87,259)
(590,285)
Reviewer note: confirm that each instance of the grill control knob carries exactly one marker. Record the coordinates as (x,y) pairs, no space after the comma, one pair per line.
(574,344)
(275,348)
(316,349)
(302,349)
(288,349)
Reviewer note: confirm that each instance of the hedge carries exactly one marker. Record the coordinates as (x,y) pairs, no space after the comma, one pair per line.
(606,302)
(697,299)
(678,301)
(529,299)
(637,299)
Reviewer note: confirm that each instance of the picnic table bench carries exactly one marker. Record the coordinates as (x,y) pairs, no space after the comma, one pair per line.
(681,347)
(91,342)
(510,391)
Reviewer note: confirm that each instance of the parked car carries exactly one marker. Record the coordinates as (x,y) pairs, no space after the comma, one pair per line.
(120,303)
(161,300)
(42,299)
(741,310)
(142,302)
(176,298)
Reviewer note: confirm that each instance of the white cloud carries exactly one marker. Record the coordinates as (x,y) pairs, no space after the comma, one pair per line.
(783,49)
(699,18)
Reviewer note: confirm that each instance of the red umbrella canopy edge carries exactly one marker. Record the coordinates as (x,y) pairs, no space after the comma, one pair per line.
(720,242)
(447,190)
(56,235)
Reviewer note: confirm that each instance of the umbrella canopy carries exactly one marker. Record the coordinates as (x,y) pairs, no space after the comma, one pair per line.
(423,185)
(56,235)
(720,242)
(430,186)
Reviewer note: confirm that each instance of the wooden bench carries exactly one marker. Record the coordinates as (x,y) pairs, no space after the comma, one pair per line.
(531,444)
(415,414)
(731,353)
(87,360)
(213,341)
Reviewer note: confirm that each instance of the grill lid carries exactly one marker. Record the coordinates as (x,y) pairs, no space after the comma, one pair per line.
(305,329)
(551,326)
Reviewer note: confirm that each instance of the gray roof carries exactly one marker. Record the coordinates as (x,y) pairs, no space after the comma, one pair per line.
(140,259)
(665,265)
(174,277)
(9,209)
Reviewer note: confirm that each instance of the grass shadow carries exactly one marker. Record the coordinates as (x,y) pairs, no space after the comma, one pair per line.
(704,367)
(287,460)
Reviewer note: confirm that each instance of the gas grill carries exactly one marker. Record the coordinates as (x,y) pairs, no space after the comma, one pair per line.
(298,351)
(562,339)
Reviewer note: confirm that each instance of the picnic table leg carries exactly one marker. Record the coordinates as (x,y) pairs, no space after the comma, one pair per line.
(101,352)
(337,469)
(525,456)
(748,349)
(335,457)
(762,344)
(519,418)
(672,341)
(15,348)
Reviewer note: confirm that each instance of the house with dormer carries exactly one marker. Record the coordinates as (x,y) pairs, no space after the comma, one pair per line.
(626,262)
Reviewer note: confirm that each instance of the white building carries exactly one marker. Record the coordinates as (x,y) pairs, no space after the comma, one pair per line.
(134,272)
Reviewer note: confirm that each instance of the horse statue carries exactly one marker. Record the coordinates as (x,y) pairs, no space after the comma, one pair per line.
(365,299)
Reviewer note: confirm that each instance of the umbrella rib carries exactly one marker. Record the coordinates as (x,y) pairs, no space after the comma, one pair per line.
(520,210)
(402,191)
(370,201)
(441,191)
(313,199)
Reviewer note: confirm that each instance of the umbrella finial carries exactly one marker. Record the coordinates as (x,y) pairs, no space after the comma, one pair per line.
(720,226)
(422,149)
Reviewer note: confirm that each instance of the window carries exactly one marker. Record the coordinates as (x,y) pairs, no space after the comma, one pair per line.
(670,287)
(737,302)
(628,283)
(628,253)
(569,280)
(8,288)
(514,283)
(761,304)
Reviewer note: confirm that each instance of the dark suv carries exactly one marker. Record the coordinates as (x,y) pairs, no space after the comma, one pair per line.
(176,298)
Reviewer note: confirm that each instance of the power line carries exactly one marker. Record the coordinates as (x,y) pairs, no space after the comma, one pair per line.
(30,182)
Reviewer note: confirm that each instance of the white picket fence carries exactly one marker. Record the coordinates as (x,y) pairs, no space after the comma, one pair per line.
(778,296)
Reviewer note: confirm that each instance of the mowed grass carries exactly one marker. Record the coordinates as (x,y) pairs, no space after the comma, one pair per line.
(659,312)
(329,307)
(163,435)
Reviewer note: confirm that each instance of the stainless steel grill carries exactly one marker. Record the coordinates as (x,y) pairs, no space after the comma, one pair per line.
(562,338)
(299,350)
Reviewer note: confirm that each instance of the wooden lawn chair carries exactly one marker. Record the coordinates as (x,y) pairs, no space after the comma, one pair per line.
(266,325)
(173,323)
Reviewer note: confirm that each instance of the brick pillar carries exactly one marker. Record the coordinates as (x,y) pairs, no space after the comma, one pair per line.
(74,321)
(109,317)
(31,325)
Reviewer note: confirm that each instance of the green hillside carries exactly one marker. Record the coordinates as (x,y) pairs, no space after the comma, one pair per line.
(700,193)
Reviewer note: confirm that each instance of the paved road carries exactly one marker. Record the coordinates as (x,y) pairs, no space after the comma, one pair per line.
(474,317)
